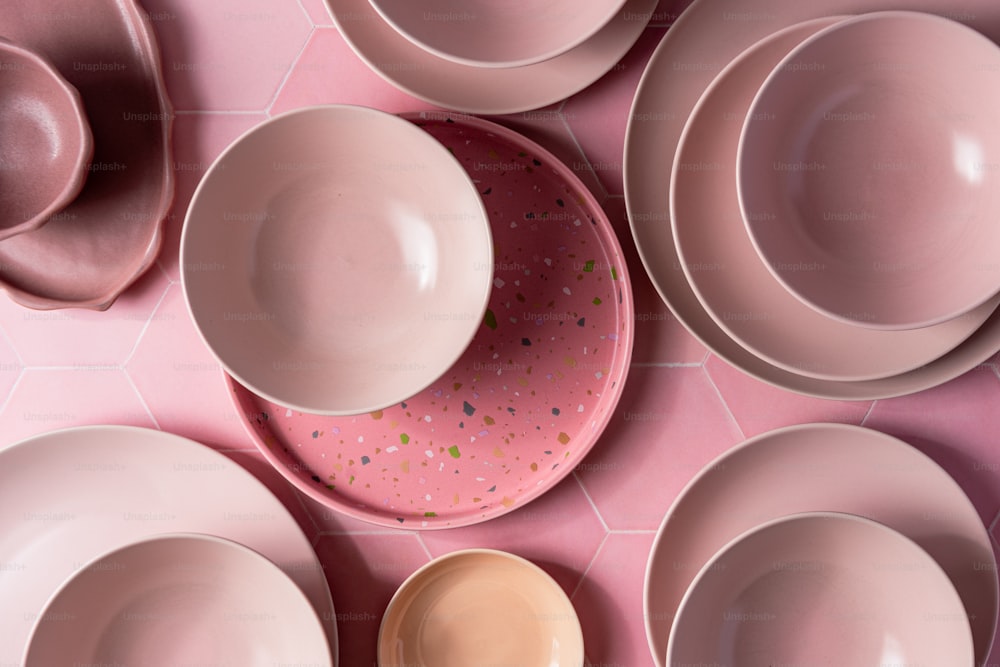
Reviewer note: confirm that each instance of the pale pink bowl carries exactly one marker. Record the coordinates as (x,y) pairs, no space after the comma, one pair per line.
(337,259)
(869,170)
(45,140)
(181,599)
(821,589)
(497,33)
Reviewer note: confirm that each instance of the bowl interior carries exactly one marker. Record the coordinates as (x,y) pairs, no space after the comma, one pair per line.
(496,33)
(230,605)
(839,586)
(868,170)
(480,607)
(337,259)
(45,140)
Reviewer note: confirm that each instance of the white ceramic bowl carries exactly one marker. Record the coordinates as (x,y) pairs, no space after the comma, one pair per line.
(869,170)
(480,607)
(497,33)
(46,144)
(337,259)
(180,599)
(822,589)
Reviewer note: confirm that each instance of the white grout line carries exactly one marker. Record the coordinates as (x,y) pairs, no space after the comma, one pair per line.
(593,505)
(725,404)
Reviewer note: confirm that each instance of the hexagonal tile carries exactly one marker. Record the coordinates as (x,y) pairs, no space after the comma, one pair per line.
(364,573)
(46,400)
(670,423)
(240,72)
(660,338)
(198,139)
(328,72)
(181,382)
(609,602)
(962,438)
(563,548)
(318,12)
(759,407)
(599,114)
(73,337)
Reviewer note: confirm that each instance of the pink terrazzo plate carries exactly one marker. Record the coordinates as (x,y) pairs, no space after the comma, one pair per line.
(531,394)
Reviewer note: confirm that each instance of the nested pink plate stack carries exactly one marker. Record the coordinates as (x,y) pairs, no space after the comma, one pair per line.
(812,189)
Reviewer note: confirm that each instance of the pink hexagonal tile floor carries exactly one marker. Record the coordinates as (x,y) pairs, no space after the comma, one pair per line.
(231,64)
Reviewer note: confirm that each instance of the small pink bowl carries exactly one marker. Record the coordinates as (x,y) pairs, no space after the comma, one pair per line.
(45,140)
(868,170)
(821,589)
(178,599)
(497,33)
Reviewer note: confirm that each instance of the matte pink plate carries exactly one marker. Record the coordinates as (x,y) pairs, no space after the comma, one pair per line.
(178,599)
(531,394)
(725,272)
(45,140)
(92,250)
(707,36)
(821,468)
(824,589)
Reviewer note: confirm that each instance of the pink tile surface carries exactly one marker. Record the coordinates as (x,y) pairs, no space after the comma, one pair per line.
(229,65)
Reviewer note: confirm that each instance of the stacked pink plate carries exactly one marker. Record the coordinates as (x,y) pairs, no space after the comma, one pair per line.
(811,191)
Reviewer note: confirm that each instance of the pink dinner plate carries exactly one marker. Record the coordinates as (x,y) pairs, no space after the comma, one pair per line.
(69,496)
(480,607)
(531,394)
(821,468)
(92,250)
(498,90)
(725,271)
(178,599)
(707,36)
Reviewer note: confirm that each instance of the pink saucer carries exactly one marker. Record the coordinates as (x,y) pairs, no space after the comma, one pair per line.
(92,250)
(531,394)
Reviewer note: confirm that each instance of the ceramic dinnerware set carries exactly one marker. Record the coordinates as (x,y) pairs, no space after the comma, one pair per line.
(426,322)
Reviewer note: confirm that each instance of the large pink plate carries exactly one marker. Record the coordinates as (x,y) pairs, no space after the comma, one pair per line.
(533,391)
(70,496)
(821,468)
(91,251)
(707,36)
(482,90)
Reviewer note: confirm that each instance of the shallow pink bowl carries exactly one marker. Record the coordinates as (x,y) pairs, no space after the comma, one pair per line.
(337,259)
(497,33)
(181,599)
(45,140)
(821,589)
(869,170)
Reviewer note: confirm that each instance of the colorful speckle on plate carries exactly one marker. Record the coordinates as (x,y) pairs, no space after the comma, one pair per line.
(532,393)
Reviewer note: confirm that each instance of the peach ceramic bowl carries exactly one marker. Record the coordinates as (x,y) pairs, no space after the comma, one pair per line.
(821,589)
(337,259)
(868,170)
(45,140)
(497,33)
(178,599)
(480,607)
